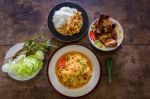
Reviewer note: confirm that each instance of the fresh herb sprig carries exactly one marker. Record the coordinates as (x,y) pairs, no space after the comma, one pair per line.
(33,45)
(30,47)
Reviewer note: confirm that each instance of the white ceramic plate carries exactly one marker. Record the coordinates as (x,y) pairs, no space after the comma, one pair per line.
(10,53)
(98,43)
(79,91)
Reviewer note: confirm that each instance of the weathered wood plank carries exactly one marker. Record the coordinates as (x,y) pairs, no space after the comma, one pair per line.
(20,19)
(130,78)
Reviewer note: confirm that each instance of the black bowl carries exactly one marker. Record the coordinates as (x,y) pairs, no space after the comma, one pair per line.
(74,37)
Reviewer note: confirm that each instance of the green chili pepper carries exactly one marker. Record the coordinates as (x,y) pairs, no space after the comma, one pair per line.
(108,64)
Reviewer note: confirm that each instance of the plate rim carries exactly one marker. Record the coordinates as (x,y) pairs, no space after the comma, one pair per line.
(82,34)
(99,79)
(113,48)
(10,75)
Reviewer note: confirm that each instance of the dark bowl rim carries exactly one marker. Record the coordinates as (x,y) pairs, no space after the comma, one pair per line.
(82,35)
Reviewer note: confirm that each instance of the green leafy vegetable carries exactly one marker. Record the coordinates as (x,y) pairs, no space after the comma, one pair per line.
(25,66)
(29,60)
(30,47)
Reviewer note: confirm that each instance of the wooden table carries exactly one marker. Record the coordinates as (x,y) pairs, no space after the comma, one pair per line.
(20,19)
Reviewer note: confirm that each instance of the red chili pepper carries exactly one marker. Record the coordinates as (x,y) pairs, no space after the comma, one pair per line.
(92,35)
(62,62)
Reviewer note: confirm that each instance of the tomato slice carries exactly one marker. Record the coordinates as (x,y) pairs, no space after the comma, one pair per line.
(62,62)
(92,35)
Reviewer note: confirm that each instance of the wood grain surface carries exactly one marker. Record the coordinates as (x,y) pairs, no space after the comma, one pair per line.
(20,19)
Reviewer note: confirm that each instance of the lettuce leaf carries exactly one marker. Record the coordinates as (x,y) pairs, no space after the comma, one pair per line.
(25,66)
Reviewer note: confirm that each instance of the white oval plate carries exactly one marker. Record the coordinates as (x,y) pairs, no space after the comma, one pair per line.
(79,91)
(10,53)
(98,43)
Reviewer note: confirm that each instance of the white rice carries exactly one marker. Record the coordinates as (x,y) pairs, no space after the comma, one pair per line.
(62,16)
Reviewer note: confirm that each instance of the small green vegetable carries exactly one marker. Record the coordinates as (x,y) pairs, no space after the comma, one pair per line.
(108,64)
